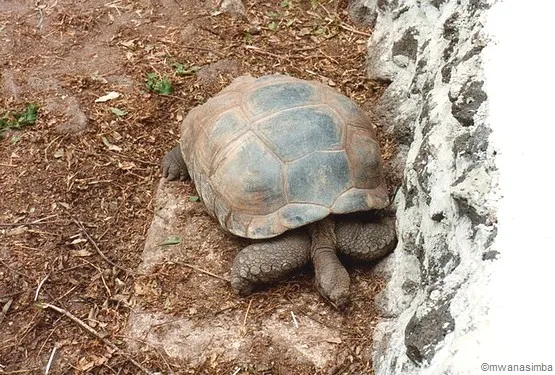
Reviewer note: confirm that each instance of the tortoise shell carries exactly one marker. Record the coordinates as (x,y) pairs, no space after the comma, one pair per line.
(274,153)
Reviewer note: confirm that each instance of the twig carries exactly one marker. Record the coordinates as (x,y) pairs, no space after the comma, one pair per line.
(42,232)
(301,311)
(25,331)
(116,214)
(204,271)
(41,18)
(113,6)
(173,96)
(137,159)
(40,286)
(295,323)
(247,313)
(10,294)
(348,28)
(48,146)
(105,285)
(326,10)
(111,369)
(5,309)
(328,56)
(14,270)
(343,25)
(213,32)
(93,332)
(162,355)
(93,243)
(178,4)
(261,51)
(203,49)
(66,293)
(216,313)
(303,49)
(24,371)
(35,222)
(45,341)
(47,369)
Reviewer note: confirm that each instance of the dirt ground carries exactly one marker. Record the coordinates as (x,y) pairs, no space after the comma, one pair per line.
(78,187)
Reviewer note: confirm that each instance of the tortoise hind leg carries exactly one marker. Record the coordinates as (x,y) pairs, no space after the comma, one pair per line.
(272,260)
(173,165)
(366,241)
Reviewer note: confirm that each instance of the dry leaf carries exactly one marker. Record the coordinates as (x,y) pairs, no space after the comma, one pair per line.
(16,231)
(109,96)
(59,153)
(126,165)
(78,241)
(80,253)
(334,340)
(110,146)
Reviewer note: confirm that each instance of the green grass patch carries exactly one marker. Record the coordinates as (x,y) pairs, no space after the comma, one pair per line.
(18,120)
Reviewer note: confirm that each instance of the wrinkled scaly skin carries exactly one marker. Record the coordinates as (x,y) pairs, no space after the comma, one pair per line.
(366,241)
(332,279)
(271,260)
(358,240)
(173,166)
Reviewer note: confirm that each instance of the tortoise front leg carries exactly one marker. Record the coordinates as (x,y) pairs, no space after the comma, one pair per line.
(269,261)
(332,279)
(173,165)
(366,241)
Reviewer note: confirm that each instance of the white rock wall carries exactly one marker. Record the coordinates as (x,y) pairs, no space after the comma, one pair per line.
(436,108)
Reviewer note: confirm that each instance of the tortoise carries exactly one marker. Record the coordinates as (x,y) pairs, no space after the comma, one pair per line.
(279,160)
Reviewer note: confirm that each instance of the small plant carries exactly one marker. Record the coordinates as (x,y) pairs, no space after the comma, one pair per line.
(160,85)
(273,15)
(273,24)
(118,112)
(180,69)
(18,120)
(171,240)
(286,4)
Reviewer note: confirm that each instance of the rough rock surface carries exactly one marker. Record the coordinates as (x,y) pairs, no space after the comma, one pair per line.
(363,12)
(436,107)
(233,7)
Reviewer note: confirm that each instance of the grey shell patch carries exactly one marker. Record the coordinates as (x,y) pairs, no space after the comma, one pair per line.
(318,178)
(228,127)
(294,215)
(270,99)
(350,201)
(299,131)
(251,177)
